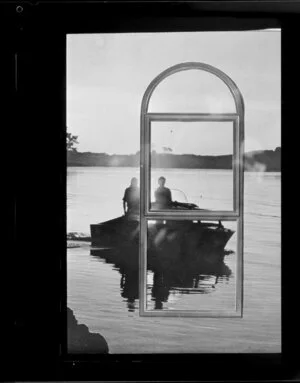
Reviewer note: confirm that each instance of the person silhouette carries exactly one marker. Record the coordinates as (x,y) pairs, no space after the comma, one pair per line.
(131,199)
(163,195)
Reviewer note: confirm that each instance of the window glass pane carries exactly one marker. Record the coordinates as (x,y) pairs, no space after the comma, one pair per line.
(193,91)
(195,161)
(191,265)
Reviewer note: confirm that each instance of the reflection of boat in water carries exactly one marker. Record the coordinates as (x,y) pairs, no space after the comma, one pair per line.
(183,257)
(170,276)
(192,235)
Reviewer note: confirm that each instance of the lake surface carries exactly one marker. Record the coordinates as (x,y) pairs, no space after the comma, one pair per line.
(104,295)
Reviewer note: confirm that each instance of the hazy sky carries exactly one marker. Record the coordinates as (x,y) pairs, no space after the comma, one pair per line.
(107,76)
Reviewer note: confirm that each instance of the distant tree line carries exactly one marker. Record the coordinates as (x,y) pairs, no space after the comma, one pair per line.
(266,160)
(71,142)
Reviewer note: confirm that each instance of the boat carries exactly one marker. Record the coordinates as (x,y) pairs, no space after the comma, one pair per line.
(183,236)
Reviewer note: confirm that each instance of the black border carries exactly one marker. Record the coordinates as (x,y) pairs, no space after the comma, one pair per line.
(35,137)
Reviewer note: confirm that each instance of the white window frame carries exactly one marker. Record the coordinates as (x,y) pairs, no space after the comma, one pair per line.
(236,215)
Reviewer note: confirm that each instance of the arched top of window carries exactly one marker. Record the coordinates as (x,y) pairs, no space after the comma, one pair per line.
(235,92)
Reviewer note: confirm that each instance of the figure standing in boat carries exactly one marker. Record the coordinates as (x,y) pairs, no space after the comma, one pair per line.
(131,199)
(163,195)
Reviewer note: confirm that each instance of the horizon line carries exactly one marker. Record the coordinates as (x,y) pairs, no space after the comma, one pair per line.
(172,153)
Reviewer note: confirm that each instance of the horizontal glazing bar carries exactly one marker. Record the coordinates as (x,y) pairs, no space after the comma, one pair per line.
(192,313)
(219,215)
(192,116)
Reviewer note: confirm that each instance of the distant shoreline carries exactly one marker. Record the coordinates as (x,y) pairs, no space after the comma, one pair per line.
(256,161)
(137,167)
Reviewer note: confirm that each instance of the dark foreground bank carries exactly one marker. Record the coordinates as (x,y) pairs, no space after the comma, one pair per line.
(81,340)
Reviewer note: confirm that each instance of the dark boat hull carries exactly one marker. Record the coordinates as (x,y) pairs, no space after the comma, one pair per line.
(187,236)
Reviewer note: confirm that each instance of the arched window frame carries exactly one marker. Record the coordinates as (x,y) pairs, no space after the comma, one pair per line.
(237,214)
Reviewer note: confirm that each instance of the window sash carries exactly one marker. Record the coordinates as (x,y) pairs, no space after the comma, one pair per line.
(237,311)
(237,164)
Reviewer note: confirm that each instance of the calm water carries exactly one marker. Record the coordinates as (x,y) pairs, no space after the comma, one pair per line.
(104,293)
